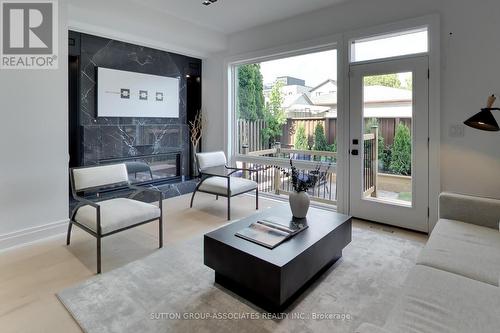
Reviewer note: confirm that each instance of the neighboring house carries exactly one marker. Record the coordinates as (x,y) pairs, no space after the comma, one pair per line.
(291,81)
(387,102)
(325,95)
(300,101)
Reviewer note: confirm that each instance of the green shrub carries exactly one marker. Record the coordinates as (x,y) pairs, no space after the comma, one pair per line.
(320,142)
(386,158)
(401,151)
(301,138)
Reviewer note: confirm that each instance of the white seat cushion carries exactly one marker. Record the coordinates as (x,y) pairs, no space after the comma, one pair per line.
(435,301)
(212,159)
(465,249)
(116,214)
(219,185)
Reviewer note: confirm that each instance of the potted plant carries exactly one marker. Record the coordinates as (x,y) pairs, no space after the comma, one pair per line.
(301,183)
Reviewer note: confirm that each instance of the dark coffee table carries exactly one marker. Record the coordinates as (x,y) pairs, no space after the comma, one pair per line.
(272,279)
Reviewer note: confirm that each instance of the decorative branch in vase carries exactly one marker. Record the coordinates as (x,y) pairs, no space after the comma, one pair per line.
(196,129)
(301,183)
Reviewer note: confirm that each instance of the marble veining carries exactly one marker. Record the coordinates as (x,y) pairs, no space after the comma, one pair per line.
(116,137)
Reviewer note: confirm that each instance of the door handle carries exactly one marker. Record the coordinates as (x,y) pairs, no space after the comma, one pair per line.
(354,152)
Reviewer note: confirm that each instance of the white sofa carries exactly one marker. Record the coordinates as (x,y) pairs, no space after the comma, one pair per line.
(454,287)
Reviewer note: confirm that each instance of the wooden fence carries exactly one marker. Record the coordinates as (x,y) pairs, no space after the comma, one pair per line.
(387,128)
(250,133)
(292,124)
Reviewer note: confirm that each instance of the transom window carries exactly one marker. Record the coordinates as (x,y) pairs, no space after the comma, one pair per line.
(390,45)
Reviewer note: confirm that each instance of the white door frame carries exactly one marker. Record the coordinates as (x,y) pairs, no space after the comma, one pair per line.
(432,22)
(414,216)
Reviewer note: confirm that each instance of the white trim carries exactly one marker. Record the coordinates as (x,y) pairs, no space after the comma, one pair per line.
(433,23)
(30,235)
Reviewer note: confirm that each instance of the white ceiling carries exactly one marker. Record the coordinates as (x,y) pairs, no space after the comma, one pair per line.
(229,16)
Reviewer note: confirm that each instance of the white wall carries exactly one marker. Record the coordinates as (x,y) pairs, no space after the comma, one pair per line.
(34,110)
(137,24)
(34,147)
(470,72)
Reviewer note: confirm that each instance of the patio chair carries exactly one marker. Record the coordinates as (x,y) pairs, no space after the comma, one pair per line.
(107,217)
(216,179)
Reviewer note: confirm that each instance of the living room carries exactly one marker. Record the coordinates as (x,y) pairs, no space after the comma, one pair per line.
(329,165)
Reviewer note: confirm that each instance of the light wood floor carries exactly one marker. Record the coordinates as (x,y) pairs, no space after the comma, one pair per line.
(30,276)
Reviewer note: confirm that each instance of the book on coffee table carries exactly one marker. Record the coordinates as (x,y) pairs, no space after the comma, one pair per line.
(271,231)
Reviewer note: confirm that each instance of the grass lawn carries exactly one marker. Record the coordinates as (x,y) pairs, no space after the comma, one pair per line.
(405,196)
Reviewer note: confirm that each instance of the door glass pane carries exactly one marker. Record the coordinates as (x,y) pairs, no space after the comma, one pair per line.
(390,45)
(387,139)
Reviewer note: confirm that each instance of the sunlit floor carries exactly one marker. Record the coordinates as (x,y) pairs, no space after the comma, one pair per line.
(30,276)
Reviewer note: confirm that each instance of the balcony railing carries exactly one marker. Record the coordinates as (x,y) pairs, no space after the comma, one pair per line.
(273,180)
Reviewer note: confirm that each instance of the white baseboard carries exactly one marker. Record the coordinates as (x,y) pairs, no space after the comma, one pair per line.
(31,235)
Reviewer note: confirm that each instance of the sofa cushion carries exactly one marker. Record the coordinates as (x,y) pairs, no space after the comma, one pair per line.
(464,249)
(466,208)
(116,214)
(437,301)
(219,185)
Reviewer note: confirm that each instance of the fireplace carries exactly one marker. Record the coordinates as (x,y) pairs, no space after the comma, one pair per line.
(151,169)
(155,150)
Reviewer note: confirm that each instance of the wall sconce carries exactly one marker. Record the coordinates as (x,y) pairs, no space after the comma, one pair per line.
(484,120)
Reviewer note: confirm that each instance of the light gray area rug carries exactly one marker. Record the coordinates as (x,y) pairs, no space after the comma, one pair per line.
(150,295)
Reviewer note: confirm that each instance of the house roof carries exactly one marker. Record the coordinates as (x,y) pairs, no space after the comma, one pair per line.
(296,99)
(383,94)
(323,83)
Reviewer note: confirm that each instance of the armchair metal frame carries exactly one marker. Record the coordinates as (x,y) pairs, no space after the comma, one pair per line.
(204,176)
(95,204)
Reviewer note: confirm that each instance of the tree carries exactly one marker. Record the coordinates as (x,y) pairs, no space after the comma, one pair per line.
(320,142)
(250,102)
(274,115)
(301,138)
(386,80)
(401,151)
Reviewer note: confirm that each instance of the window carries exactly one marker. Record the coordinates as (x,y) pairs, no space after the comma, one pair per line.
(390,45)
(273,98)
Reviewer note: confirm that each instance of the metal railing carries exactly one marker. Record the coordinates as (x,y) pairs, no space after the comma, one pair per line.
(273,180)
(370,163)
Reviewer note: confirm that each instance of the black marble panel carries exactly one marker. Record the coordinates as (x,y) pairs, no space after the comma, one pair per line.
(113,138)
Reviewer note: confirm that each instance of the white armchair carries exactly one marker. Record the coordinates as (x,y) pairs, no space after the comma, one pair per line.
(216,179)
(107,217)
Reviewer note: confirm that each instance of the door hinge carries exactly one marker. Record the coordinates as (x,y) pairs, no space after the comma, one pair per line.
(428,73)
(428,142)
(428,212)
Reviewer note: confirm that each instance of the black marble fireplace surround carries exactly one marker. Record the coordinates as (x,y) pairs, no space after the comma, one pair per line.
(97,140)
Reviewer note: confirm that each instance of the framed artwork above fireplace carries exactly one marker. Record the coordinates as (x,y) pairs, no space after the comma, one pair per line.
(129,94)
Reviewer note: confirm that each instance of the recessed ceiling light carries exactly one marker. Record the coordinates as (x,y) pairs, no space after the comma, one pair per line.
(208,2)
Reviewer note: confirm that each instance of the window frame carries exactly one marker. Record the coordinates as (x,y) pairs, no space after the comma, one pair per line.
(387,34)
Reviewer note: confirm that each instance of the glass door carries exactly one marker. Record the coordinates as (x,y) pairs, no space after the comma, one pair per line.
(389,142)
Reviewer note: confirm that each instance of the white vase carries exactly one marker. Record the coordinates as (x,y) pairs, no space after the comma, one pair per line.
(299,203)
